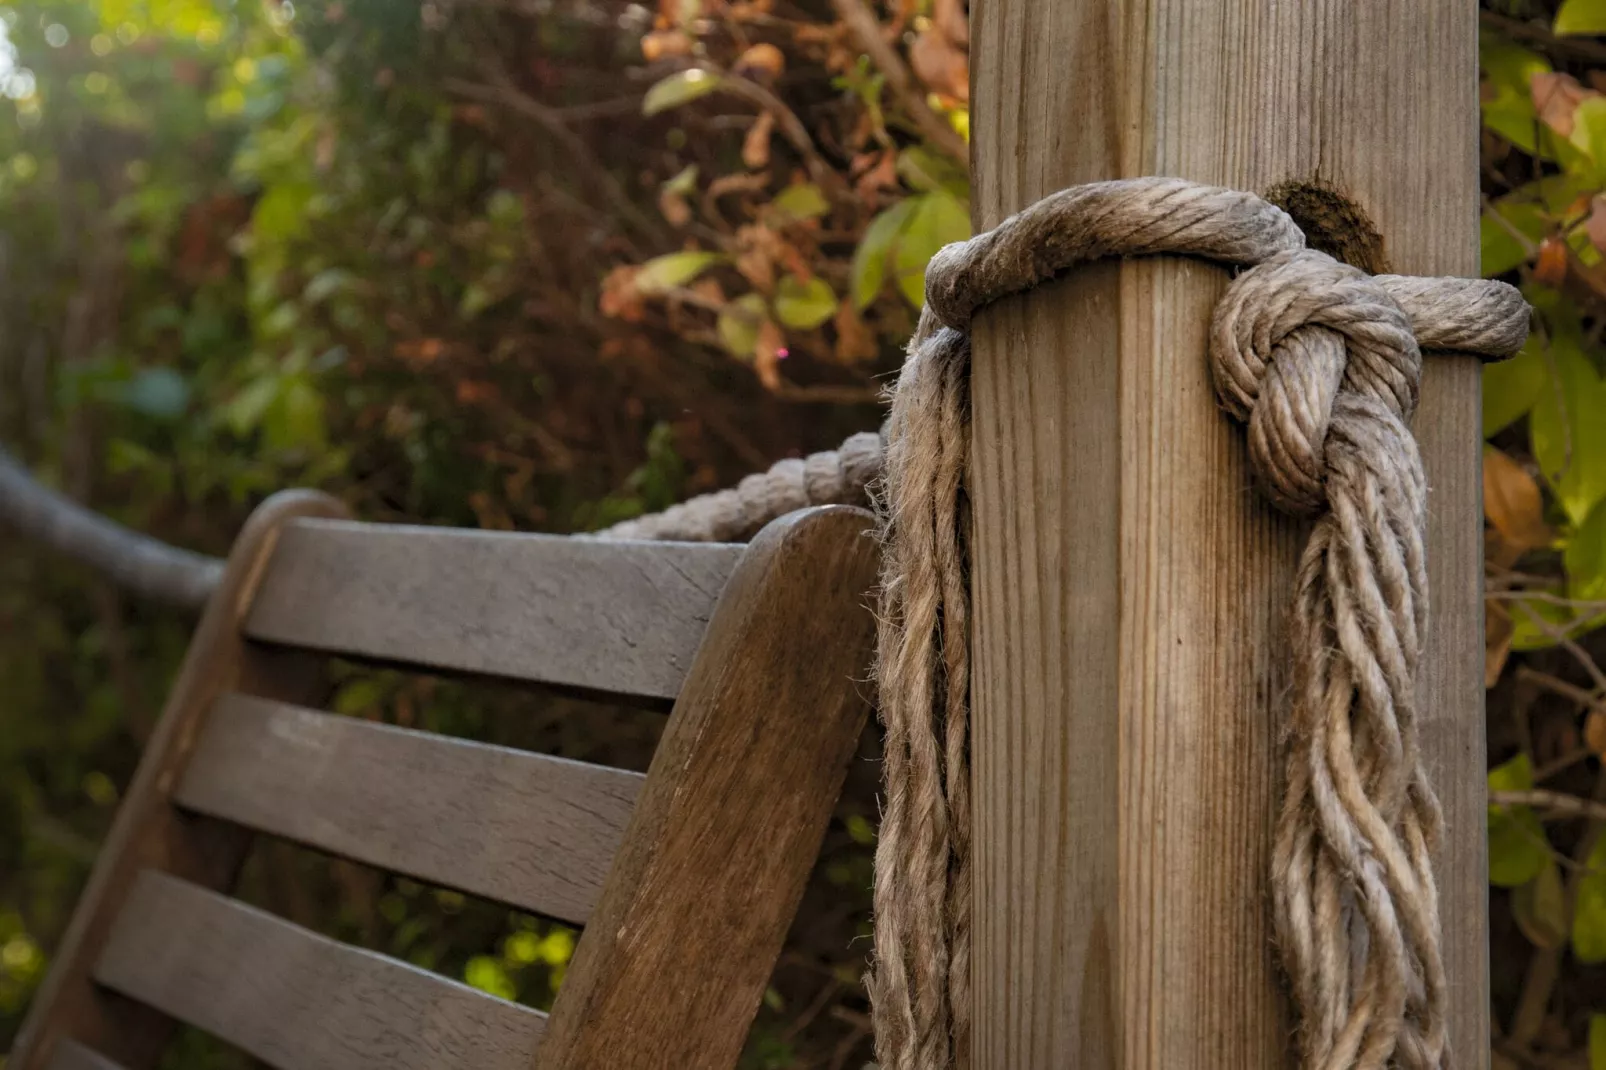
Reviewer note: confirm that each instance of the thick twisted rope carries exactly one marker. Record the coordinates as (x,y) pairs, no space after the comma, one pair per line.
(1323,363)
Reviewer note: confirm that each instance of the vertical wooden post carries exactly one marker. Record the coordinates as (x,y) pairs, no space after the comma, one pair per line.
(1130,585)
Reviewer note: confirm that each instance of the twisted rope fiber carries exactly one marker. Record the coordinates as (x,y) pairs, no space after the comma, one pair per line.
(1323,363)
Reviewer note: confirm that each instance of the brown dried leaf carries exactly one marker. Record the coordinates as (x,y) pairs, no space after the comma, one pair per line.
(855,342)
(1498,629)
(1595,732)
(1595,227)
(1512,501)
(1550,266)
(940,65)
(1556,97)
(756,145)
(767,353)
(664,43)
(949,18)
(674,208)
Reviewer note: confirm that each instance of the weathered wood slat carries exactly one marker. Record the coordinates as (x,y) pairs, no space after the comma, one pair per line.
(674,963)
(621,617)
(71,1055)
(297,1000)
(529,830)
(149,832)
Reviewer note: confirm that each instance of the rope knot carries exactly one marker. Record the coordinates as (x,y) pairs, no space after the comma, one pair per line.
(1290,337)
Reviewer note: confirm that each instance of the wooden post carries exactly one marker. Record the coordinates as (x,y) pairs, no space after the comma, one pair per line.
(1130,585)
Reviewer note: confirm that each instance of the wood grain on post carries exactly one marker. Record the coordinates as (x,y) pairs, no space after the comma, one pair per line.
(1131,587)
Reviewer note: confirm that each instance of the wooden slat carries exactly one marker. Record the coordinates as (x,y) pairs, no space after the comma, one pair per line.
(148,831)
(529,830)
(675,960)
(71,1055)
(298,1000)
(621,617)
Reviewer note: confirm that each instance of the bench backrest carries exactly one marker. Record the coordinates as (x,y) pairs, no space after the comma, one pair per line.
(686,878)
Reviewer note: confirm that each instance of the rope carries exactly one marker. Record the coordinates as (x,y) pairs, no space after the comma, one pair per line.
(1323,363)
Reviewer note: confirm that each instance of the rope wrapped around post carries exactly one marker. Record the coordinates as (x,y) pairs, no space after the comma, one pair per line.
(1323,363)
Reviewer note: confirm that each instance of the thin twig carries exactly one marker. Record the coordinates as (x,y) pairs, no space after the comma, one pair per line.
(552,122)
(866,30)
(1557,803)
(1557,685)
(1566,642)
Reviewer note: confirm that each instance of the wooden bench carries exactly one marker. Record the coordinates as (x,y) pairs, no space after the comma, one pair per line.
(686,879)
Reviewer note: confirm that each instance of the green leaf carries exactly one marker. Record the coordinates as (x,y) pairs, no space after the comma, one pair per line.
(804,305)
(1589,128)
(245,410)
(875,247)
(679,88)
(939,219)
(1581,16)
(488,975)
(683,183)
(738,325)
(674,269)
(1585,557)
(796,203)
(295,419)
(1597,1042)
(925,170)
(1589,911)
(1568,426)
(1510,387)
(1540,908)
(157,392)
(281,214)
(1501,251)
(1518,850)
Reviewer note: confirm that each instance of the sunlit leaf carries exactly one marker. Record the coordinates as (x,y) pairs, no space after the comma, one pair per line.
(1510,387)
(244,411)
(804,305)
(488,975)
(1581,16)
(939,219)
(738,325)
(875,248)
(683,183)
(1569,432)
(679,88)
(800,202)
(1585,557)
(674,270)
(1589,910)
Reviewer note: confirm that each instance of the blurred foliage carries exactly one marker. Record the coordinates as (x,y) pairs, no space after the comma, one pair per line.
(549,264)
(1544,485)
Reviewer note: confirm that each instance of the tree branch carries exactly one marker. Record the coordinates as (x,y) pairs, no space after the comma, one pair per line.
(137,563)
(866,30)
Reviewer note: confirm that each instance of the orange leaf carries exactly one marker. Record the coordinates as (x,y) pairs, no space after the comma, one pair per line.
(1512,501)
(1550,266)
(756,145)
(1595,732)
(767,354)
(1596,226)
(761,62)
(1556,97)
(942,67)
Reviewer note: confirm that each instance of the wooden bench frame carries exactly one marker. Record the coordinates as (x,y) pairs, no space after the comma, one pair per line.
(687,878)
